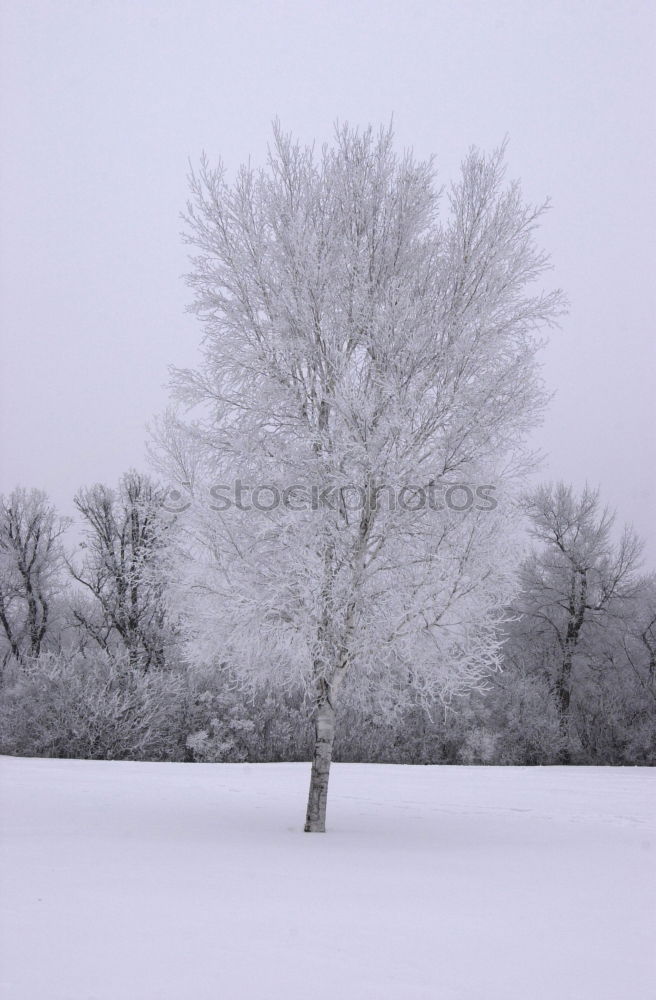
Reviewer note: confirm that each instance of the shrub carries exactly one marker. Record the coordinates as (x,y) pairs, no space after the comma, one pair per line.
(91,707)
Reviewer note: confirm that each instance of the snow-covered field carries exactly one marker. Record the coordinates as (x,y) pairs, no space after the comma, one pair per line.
(129,881)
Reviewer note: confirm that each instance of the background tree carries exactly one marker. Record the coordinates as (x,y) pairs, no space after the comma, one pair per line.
(578,584)
(640,644)
(31,564)
(123,571)
(615,698)
(354,343)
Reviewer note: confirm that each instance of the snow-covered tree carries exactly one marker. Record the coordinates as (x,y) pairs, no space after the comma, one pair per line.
(31,565)
(363,352)
(121,570)
(576,584)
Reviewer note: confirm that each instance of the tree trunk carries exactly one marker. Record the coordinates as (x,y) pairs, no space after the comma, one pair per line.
(563,696)
(324,722)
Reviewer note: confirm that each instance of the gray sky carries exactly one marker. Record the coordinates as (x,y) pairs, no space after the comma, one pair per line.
(104,101)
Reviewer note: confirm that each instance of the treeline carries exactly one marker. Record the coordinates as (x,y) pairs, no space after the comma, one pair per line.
(94,664)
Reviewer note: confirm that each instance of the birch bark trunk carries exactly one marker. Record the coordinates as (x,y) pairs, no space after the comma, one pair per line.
(315,820)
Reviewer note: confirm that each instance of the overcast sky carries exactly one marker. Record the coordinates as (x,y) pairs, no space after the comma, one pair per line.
(103,102)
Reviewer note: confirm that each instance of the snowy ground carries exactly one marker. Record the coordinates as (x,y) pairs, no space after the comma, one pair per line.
(189,882)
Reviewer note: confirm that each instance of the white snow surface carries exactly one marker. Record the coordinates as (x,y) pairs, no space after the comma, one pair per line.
(136,881)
